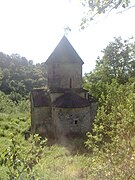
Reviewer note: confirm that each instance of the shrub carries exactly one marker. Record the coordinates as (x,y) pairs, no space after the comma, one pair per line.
(114,132)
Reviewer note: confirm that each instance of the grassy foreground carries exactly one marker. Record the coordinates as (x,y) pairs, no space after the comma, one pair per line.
(68,159)
(71,160)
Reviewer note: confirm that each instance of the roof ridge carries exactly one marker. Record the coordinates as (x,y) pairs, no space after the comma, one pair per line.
(64,48)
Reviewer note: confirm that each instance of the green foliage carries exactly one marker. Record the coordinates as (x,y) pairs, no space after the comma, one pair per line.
(110,153)
(10,107)
(119,59)
(59,163)
(6,105)
(18,159)
(111,142)
(18,76)
(14,117)
(113,134)
(93,8)
(112,159)
(117,62)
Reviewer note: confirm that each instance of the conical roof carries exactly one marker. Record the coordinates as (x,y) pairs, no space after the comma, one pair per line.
(64,52)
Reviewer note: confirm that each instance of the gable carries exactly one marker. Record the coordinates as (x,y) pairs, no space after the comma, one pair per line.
(64,52)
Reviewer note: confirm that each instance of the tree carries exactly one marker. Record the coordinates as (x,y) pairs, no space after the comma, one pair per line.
(93,8)
(119,56)
(113,133)
(117,62)
(111,140)
(18,76)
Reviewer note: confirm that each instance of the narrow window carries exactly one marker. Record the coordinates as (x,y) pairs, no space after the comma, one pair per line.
(76,121)
(70,83)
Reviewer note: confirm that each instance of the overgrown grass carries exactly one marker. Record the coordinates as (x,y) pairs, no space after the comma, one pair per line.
(63,162)
(67,159)
(60,163)
(14,119)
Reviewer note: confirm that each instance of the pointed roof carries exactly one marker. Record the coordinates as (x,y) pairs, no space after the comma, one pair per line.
(64,52)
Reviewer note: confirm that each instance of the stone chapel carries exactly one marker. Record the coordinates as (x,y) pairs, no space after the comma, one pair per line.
(64,108)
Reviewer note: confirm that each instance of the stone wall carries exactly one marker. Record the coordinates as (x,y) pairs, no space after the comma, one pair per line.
(69,120)
(41,120)
(65,75)
(62,121)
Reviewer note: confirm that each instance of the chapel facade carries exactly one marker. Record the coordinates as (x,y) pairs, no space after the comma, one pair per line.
(64,108)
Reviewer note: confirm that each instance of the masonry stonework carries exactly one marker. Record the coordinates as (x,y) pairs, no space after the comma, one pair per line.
(65,108)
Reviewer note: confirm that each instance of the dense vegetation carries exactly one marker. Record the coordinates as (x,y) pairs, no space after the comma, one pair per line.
(117,62)
(107,152)
(18,76)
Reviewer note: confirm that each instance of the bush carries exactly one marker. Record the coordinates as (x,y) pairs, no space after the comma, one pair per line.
(18,159)
(113,133)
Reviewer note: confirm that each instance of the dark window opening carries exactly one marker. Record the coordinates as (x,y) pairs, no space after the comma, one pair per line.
(76,121)
(70,83)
